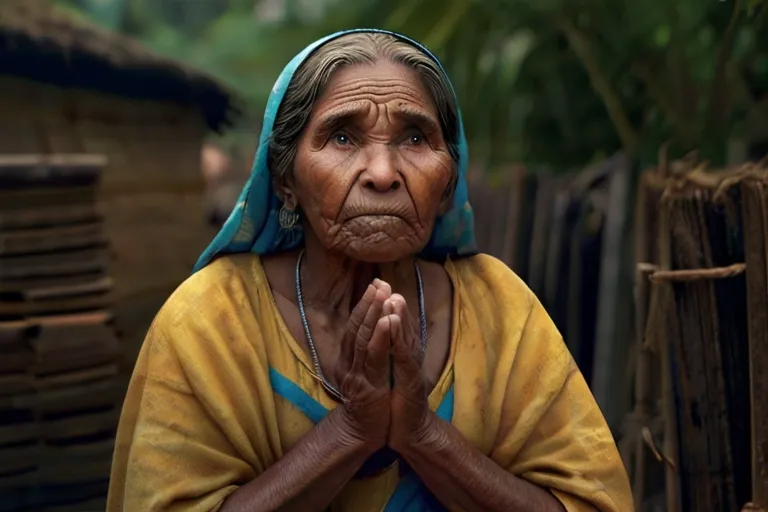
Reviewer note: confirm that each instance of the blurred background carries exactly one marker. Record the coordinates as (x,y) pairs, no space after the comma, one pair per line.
(616,165)
(587,77)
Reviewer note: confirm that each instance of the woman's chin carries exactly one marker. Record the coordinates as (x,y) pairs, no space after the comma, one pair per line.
(373,239)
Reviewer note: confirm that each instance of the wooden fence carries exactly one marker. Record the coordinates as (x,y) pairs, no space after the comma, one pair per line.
(566,237)
(677,366)
(700,413)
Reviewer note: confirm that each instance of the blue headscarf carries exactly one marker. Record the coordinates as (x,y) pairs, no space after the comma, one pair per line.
(253,225)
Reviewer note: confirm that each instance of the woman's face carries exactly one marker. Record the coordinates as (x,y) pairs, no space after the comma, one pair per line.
(372,167)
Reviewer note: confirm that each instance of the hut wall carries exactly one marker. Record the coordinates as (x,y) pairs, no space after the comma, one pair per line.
(25,114)
(152,188)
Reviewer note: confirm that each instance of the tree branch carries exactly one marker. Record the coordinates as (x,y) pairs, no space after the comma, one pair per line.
(582,47)
(656,91)
(684,91)
(718,101)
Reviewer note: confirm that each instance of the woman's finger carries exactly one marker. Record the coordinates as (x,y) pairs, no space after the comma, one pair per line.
(401,352)
(358,313)
(401,310)
(377,355)
(364,333)
(356,319)
(383,286)
(411,336)
(406,368)
(388,308)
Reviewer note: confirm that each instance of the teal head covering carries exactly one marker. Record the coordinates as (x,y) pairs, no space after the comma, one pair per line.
(253,226)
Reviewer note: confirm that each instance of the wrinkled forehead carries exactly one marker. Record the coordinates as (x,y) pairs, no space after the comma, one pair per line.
(299,88)
(360,111)
(356,92)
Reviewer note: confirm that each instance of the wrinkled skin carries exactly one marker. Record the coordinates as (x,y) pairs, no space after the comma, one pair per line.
(371,175)
(372,165)
(363,372)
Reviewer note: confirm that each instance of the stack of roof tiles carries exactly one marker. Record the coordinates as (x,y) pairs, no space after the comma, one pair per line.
(60,379)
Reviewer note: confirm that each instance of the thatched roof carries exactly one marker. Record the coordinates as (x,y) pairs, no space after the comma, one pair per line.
(44,43)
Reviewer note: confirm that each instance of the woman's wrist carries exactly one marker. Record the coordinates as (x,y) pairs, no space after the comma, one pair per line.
(453,469)
(314,470)
(347,434)
(428,437)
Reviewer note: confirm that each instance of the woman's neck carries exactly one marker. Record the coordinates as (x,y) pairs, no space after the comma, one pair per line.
(334,282)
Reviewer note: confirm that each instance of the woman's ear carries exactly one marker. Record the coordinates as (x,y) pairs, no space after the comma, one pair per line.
(286,192)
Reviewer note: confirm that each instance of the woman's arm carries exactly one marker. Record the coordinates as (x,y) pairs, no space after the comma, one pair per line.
(547,428)
(194,433)
(449,465)
(310,475)
(462,477)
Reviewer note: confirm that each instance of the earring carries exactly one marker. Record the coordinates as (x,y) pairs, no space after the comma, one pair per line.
(287,218)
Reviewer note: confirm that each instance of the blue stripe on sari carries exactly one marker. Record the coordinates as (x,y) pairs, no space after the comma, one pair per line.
(411,495)
(289,390)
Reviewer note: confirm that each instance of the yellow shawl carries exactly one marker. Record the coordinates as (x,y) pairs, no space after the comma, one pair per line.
(221,391)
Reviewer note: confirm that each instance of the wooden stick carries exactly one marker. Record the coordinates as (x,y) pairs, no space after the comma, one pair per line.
(641,413)
(670,414)
(697,274)
(755,211)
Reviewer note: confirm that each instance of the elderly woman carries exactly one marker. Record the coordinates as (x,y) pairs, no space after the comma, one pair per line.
(341,345)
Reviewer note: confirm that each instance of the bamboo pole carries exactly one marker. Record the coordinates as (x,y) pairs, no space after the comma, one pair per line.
(755,213)
(641,413)
(669,411)
(642,382)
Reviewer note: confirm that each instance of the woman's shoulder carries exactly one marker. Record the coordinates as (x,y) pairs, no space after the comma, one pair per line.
(499,308)
(217,319)
(494,295)
(482,273)
(229,283)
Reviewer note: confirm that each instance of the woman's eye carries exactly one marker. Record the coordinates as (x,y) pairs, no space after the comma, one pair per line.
(415,138)
(341,139)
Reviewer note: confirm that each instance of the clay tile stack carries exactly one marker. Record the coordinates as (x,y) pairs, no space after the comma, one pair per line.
(60,383)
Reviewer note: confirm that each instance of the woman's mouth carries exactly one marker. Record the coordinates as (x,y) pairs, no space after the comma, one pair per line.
(363,211)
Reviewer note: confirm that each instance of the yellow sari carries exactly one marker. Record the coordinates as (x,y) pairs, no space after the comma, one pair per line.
(221,391)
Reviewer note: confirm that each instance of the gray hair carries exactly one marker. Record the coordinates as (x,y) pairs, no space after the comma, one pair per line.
(353,49)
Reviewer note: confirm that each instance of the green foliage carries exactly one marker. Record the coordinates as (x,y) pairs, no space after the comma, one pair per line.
(557,82)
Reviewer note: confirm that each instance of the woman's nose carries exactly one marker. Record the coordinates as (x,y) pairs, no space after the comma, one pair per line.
(381,173)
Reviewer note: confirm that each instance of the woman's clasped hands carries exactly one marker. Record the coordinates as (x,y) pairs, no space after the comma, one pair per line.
(380,372)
